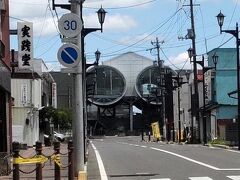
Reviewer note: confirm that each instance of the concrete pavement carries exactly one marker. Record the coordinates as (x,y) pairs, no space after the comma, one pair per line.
(114,152)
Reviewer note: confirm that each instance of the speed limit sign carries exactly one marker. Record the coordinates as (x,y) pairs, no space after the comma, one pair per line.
(70,25)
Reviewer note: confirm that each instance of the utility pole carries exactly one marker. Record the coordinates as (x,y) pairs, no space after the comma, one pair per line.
(196,94)
(78,125)
(71,26)
(156,45)
(161,82)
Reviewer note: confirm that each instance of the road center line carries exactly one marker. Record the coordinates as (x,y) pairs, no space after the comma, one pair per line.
(186,158)
(100,163)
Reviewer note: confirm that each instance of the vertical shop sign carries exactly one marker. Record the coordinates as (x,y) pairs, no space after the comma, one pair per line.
(25,45)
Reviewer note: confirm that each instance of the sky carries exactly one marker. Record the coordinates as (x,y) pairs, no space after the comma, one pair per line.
(131,26)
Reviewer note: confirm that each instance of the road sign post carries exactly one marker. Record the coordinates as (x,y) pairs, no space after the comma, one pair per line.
(69,55)
(70,25)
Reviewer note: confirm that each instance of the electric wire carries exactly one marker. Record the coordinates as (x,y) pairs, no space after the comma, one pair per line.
(27,3)
(17,18)
(124,7)
(204,32)
(53,18)
(145,36)
(48,48)
(40,35)
(169,59)
(230,20)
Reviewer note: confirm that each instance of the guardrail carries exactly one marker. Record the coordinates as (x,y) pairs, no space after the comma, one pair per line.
(40,160)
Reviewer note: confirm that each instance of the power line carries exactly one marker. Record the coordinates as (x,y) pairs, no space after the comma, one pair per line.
(123,7)
(45,16)
(169,60)
(17,18)
(147,35)
(27,3)
(53,17)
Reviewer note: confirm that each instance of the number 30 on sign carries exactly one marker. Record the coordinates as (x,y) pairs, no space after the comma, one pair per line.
(70,25)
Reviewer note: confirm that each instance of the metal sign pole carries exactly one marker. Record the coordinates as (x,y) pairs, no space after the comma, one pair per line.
(78,119)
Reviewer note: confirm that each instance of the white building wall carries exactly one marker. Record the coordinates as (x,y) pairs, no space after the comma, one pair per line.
(130,65)
(27,100)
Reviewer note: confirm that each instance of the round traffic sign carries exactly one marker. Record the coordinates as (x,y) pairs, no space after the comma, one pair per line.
(70,25)
(69,55)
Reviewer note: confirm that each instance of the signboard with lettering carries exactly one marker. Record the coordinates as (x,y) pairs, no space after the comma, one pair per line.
(24,92)
(70,25)
(208,86)
(54,95)
(25,45)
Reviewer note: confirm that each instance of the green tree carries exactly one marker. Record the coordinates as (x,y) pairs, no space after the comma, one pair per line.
(61,117)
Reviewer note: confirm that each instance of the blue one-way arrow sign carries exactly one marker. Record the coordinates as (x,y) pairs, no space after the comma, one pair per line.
(69,55)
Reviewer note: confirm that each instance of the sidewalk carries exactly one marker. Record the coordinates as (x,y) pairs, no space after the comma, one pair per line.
(92,165)
(223,146)
(48,168)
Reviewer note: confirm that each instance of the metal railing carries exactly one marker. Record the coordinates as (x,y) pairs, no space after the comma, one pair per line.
(41,159)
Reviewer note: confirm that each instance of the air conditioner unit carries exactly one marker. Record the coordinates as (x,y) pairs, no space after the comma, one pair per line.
(2,5)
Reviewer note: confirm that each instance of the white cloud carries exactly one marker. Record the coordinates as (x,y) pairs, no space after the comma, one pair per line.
(112,22)
(179,61)
(41,26)
(26,9)
(35,11)
(131,39)
(53,66)
(113,3)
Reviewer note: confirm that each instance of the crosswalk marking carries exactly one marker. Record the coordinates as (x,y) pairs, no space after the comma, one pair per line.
(234,177)
(200,178)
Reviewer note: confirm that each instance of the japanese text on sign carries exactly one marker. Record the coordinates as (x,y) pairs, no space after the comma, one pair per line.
(25,45)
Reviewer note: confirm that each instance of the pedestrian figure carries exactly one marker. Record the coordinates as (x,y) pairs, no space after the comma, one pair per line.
(188,137)
(149,136)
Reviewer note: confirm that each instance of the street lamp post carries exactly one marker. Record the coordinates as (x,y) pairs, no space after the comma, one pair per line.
(220,18)
(85,31)
(204,69)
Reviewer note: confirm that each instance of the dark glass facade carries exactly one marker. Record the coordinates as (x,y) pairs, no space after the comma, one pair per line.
(106,84)
(150,83)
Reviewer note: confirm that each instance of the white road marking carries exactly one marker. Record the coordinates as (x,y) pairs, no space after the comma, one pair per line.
(200,178)
(145,173)
(161,179)
(234,177)
(197,162)
(186,158)
(233,151)
(100,164)
(189,159)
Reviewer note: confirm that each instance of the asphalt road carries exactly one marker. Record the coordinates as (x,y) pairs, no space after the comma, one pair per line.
(127,158)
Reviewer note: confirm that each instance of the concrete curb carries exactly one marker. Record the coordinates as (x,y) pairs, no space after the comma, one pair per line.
(82,175)
(220,146)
